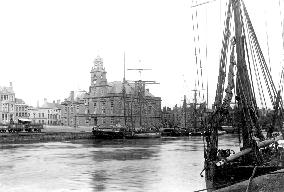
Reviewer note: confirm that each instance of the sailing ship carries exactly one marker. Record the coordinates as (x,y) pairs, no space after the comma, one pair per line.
(247,71)
(134,96)
(141,131)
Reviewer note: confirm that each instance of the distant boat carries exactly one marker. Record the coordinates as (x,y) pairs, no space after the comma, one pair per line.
(142,135)
(174,132)
(230,129)
(111,132)
(195,132)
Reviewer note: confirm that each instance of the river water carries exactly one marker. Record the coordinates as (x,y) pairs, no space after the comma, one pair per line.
(164,164)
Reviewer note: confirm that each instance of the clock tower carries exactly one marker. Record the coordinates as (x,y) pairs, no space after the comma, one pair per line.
(98,75)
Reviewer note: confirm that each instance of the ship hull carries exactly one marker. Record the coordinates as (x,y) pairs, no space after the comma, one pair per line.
(223,176)
(107,134)
(170,132)
(143,135)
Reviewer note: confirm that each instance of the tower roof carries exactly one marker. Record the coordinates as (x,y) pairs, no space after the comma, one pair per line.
(98,63)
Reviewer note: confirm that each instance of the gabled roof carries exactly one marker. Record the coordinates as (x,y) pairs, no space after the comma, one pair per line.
(50,105)
(116,87)
(6,90)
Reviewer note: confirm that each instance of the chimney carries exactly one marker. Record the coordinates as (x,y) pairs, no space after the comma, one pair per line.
(72,95)
(11,84)
(37,104)
(53,101)
(45,100)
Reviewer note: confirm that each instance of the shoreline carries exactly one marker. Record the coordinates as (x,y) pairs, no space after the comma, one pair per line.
(16,138)
(49,133)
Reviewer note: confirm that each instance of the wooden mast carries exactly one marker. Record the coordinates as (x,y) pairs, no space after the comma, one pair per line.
(124,92)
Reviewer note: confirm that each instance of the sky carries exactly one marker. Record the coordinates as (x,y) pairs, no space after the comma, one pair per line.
(47,48)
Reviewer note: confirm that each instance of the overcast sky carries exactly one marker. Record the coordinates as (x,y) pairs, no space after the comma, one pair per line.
(48,47)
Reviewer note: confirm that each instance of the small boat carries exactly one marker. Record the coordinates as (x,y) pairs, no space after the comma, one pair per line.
(221,132)
(230,129)
(142,133)
(111,132)
(195,132)
(174,132)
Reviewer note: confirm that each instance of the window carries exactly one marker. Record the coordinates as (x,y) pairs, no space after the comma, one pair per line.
(103,120)
(103,111)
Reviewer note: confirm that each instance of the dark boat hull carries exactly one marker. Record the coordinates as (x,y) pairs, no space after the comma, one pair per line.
(223,176)
(195,134)
(143,135)
(102,134)
(174,133)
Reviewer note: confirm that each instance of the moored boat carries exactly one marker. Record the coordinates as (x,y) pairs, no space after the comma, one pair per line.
(258,154)
(108,132)
(230,129)
(174,132)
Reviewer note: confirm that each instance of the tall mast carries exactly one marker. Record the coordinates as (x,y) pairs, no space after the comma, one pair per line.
(184,108)
(195,103)
(243,84)
(124,91)
(141,91)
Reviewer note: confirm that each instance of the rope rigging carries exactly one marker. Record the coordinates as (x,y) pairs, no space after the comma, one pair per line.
(253,78)
(198,82)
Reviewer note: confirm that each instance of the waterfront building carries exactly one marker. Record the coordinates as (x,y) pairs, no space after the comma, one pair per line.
(73,109)
(172,117)
(112,103)
(21,109)
(52,112)
(7,104)
(48,113)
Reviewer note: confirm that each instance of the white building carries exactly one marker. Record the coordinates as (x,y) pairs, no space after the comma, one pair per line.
(48,113)
(7,104)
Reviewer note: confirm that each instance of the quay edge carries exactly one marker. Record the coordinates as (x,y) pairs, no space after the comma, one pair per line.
(17,138)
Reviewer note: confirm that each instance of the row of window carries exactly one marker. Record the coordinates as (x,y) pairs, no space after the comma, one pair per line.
(6,117)
(21,114)
(19,108)
(6,97)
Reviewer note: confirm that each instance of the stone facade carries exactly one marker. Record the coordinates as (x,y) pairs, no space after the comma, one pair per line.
(21,109)
(110,103)
(120,102)
(48,113)
(73,110)
(7,104)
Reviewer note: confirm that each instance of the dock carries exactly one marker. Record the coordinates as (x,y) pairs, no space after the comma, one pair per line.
(49,133)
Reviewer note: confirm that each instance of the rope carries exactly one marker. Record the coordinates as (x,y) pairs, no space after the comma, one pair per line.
(258,81)
(223,58)
(265,71)
(250,179)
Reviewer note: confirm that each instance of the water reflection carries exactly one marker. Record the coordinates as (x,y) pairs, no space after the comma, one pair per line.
(171,164)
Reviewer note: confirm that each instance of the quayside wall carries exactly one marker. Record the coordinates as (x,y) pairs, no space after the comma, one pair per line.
(43,137)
